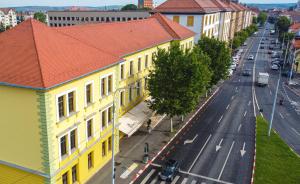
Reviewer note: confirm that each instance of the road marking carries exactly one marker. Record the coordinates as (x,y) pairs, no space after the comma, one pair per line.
(243,151)
(204,177)
(296,131)
(226,160)
(232,97)
(163,182)
(245,113)
(126,173)
(239,80)
(236,89)
(184,181)
(175,179)
(155,165)
(194,182)
(270,92)
(154,181)
(249,102)
(227,106)
(148,176)
(239,128)
(220,119)
(190,141)
(281,115)
(199,153)
(219,145)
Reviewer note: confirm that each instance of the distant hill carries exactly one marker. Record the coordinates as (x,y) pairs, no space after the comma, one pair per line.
(58,8)
(271,6)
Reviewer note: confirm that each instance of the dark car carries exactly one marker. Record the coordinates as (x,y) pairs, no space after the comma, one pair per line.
(262,47)
(271,48)
(169,170)
(246,72)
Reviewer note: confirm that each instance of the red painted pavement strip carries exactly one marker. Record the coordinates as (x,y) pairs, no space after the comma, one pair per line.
(179,131)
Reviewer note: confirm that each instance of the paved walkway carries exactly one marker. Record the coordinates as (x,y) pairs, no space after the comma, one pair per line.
(129,159)
(295,87)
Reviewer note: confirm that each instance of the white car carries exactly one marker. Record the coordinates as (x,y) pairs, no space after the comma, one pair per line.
(274,67)
(250,57)
(233,66)
(245,44)
(255,33)
(230,72)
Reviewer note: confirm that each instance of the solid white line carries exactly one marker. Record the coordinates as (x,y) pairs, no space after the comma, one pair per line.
(239,128)
(227,106)
(148,176)
(204,177)
(220,119)
(199,154)
(175,179)
(281,115)
(226,161)
(245,113)
(184,181)
(154,181)
(296,131)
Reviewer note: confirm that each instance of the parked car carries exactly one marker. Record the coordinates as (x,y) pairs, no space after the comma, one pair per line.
(262,43)
(245,44)
(246,72)
(233,66)
(274,67)
(262,47)
(250,57)
(169,170)
(230,72)
(271,47)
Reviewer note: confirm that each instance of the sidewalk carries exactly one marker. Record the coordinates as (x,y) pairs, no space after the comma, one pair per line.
(129,159)
(296,85)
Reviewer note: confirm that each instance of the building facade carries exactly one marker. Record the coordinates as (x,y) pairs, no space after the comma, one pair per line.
(68,18)
(145,4)
(8,17)
(57,92)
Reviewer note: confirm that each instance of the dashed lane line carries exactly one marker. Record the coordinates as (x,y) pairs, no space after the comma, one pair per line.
(239,128)
(220,119)
(281,115)
(227,106)
(245,113)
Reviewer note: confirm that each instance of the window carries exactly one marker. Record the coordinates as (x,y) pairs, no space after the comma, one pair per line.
(130,94)
(113,19)
(110,114)
(74,173)
(118,19)
(73,139)
(71,101)
(73,18)
(90,160)
(103,114)
(63,145)
(107,19)
(65,178)
(55,18)
(92,18)
(138,86)
(89,127)
(124,19)
(122,71)
(64,18)
(131,68)
(59,18)
(61,107)
(97,18)
(50,18)
(190,21)
(103,87)
(146,61)
(122,103)
(88,93)
(102,19)
(104,148)
(68,18)
(110,84)
(146,82)
(176,18)
(139,64)
(109,144)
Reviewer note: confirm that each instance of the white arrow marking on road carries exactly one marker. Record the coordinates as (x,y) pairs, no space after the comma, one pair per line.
(243,150)
(220,119)
(219,145)
(281,115)
(190,141)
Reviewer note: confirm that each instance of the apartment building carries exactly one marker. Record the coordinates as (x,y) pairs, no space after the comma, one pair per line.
(75,17)
(8,17)
(145,4)
(58,88)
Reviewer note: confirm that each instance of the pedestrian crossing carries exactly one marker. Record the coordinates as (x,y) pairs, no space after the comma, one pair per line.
(153,178)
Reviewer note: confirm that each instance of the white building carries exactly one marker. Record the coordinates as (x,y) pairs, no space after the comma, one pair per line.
(8,17)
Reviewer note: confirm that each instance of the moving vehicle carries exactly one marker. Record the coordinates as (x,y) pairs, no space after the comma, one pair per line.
(246,72)
(274,67)
(169,170)
(262,47)
(272,32)
(233,66)
(245,44)
(262,79)
(250,57)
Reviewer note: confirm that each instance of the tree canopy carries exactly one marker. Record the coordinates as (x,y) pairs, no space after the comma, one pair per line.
(262,18)
(178,80)
(283,23)
(129,7)
(2,28)
(220,56)
(40,17)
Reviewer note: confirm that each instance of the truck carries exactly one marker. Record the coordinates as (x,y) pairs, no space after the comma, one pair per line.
(262,79)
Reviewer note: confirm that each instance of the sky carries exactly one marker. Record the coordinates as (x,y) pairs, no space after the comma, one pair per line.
(13,3)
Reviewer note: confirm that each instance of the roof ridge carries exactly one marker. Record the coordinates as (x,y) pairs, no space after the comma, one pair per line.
(36,50)
(161,20)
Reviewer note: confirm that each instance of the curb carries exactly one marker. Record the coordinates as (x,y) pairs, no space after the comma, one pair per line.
(254,156)
(164,147)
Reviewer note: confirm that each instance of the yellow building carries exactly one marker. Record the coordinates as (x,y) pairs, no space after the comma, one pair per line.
(57,88)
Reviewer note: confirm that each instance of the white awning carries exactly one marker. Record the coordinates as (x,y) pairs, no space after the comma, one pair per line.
(134,119)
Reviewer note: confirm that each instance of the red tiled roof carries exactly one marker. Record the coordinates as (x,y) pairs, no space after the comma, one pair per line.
(223,5)
(36,56)
(295,27)
(5,10)
(296,44)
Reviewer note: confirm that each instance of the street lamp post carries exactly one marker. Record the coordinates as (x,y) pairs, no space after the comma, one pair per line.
(113,132)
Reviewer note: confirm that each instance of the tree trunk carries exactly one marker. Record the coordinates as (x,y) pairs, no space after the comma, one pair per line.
(182,117)
(171,124)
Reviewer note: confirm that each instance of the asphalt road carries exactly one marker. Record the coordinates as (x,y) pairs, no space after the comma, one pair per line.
(217,136)
(287,117)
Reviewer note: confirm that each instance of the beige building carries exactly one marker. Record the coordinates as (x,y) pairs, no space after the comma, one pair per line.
(8,17)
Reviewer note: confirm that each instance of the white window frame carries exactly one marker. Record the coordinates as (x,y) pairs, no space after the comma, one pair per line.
(92,91)
(106,117)
(68,142)
(65,93)
(146,56)
(86,128)
(122,64)
(124,96)
(106,79)
(139,61)
(131,72)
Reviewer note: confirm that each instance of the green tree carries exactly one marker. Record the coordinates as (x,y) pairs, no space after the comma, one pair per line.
(40,17)
(2,28)
(178,80)
(220,56)
(129,7)
(254,20)
(236,43)
(262,18)
(282,24)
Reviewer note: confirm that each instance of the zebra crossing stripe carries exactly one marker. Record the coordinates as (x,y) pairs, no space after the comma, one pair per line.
(184,181)
(194,182)
(175,179)
(148,176)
